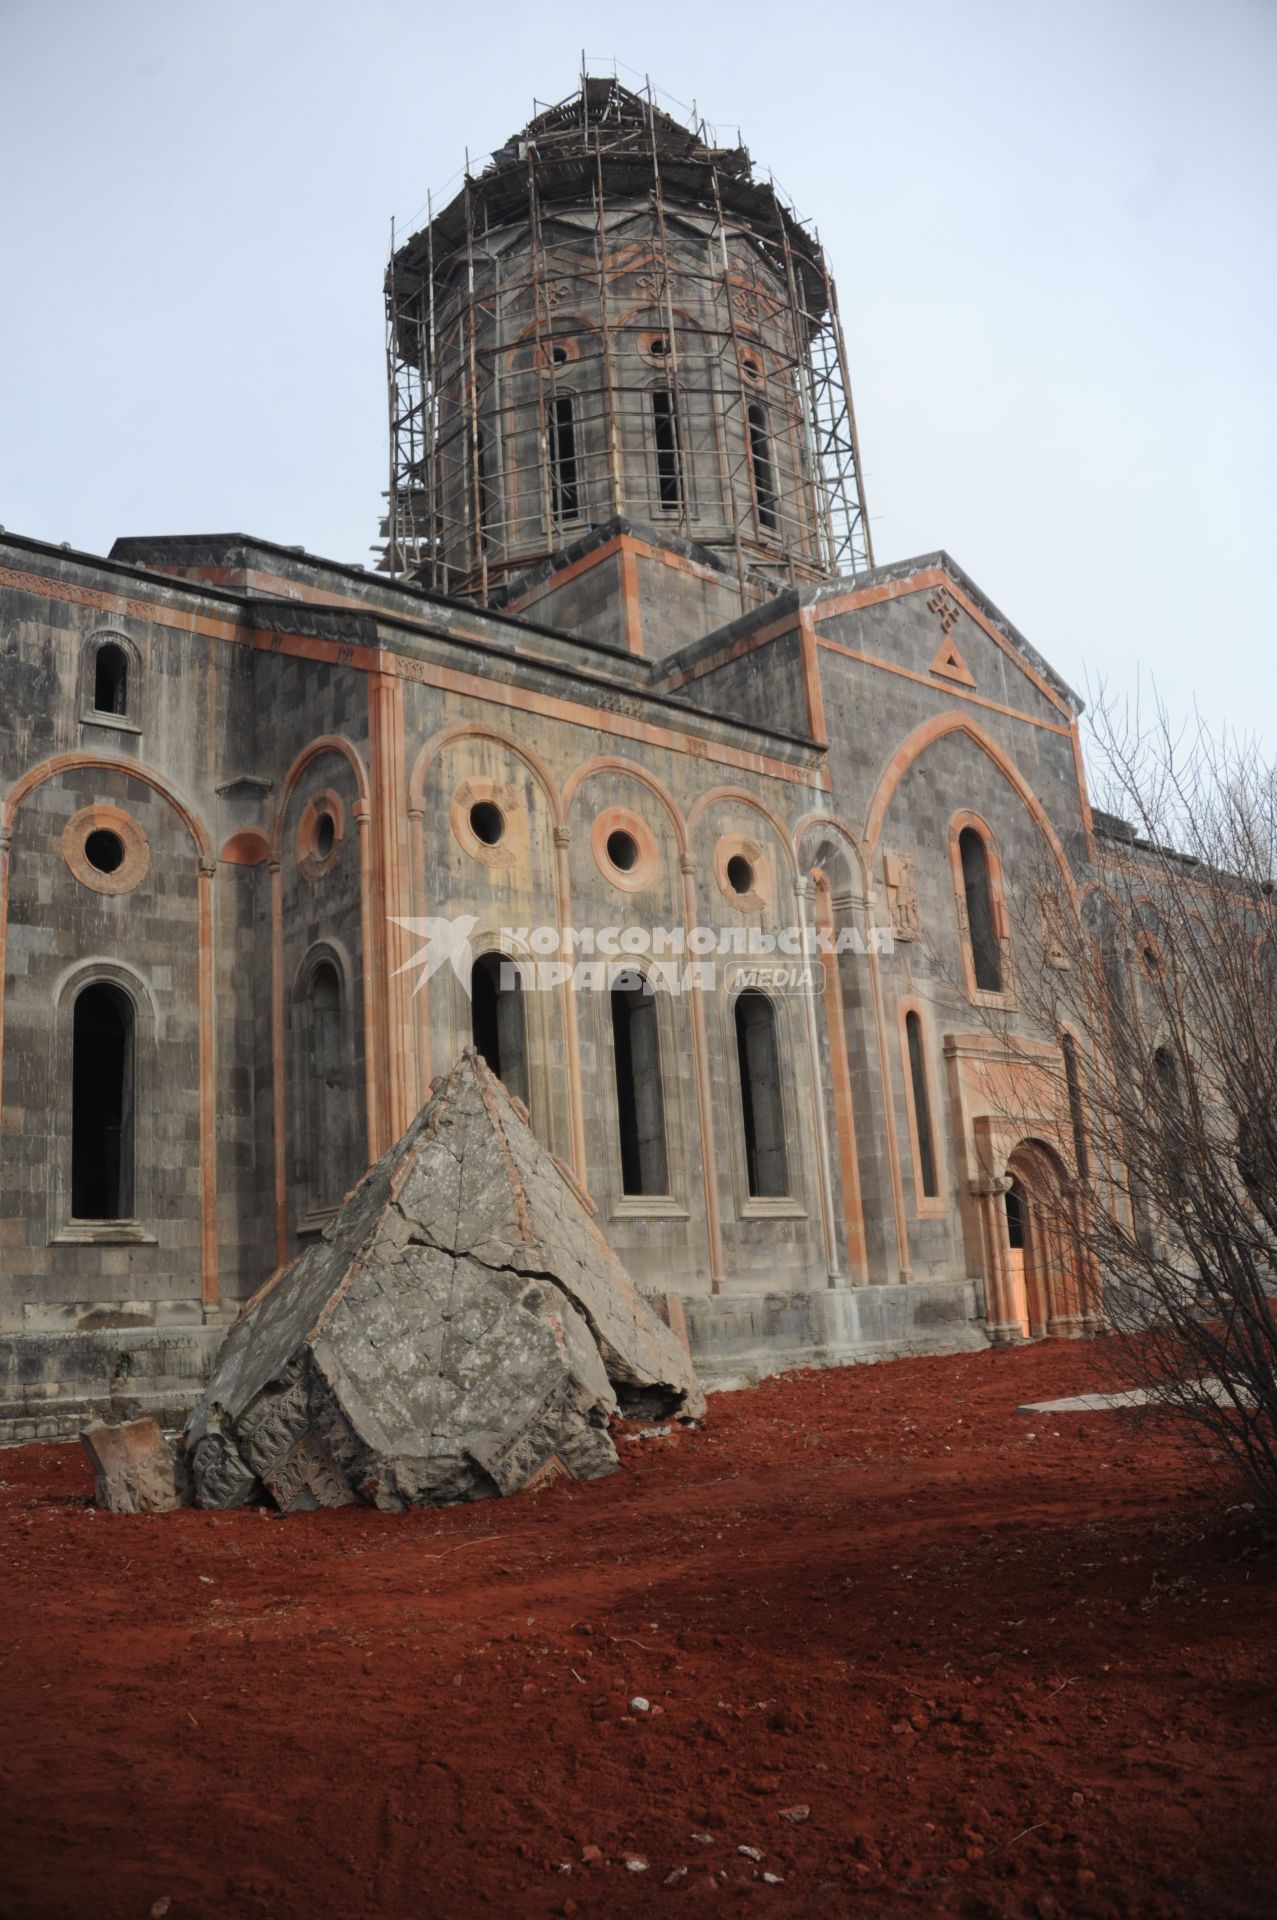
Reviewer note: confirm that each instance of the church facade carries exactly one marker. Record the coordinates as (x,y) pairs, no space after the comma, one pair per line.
(629,767)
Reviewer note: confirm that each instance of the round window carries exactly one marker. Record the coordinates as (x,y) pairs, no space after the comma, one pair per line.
(104,850)
(320,831)
(487,822)
(740,874)
(622,850)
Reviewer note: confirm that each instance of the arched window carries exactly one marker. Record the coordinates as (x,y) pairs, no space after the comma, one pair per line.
(921,1107)
(496,1020)
(1077,1120)
(760,463)
(325,1116)
(640,1098)
(669,462)
(110,679)
(560,433)
(762,1108)
(986,951)
(102,1068)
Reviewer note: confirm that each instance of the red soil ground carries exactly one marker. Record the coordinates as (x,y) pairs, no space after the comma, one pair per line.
(1013,1665)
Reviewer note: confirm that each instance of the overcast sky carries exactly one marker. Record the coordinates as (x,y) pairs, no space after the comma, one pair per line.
(1052,227)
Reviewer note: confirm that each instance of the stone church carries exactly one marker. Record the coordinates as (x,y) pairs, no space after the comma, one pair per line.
(711,817)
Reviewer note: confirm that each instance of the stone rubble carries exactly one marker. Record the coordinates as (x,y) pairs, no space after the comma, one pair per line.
(462,1329)
(135,1469)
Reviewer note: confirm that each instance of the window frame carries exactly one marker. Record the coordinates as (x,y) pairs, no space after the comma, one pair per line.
(310,1215)
(766,518)
(926,1205)
(64,1228)
(483,959)
(753,1206)
(614,987)
(670,1205)
(554,397)
(683,508)
(1005,995)
(130,721)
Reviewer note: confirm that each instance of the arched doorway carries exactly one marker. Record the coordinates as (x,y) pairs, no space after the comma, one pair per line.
(1044,1256)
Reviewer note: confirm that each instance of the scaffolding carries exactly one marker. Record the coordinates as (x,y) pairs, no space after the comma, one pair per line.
(616,320)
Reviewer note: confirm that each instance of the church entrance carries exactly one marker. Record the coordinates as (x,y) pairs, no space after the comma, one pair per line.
(1044,1256)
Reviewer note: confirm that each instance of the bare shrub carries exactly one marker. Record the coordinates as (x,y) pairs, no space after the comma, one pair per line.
(1160,978)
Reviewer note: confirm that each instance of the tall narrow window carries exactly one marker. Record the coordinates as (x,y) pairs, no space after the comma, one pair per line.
(111,680)
(986,953)
(102,1104)
(1077,1119)
(921,1107)
(325,1173)
(1017,1216)
(760,461)
(762,1109)
(669,466)
(488,498)
(640,1101)
(496,1020)
(1171,1119)
(560,429)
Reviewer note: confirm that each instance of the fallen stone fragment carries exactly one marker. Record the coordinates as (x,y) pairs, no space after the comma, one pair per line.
(774,1879)
(639,1705)
(462,1329)
(796,1815)
(135,1469)
(750,1853)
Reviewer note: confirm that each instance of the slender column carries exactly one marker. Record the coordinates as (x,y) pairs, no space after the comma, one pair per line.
(1001,1316)
(576,1115)
(802,893)
(888,1100)
(811,676)
(844,1110)
(704,1103)
(1064,1287)
(419,1005)
(208,1091)
(399,1100)
(277,1057)
(631,612)
(6,840)
(376,1144)
(1091,1296)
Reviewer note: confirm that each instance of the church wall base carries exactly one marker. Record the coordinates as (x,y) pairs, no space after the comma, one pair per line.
(739,1339)
(52,1383)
